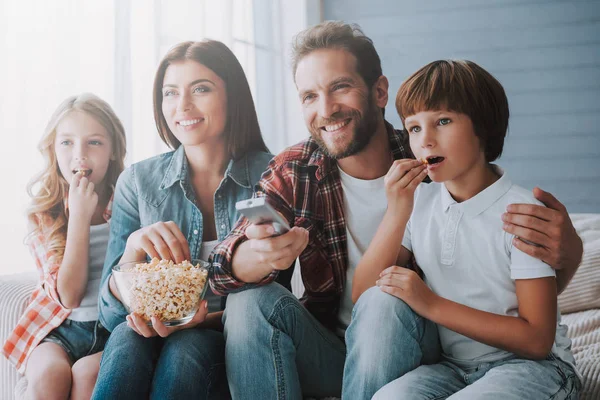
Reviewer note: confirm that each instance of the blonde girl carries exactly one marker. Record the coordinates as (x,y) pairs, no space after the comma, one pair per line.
(58,342)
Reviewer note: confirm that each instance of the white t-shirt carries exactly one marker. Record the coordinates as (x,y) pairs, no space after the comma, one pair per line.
(88,308)
(365,204)
(214,301)
(468,258)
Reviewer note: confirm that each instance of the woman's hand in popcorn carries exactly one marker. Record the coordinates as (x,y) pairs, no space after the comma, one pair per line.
(163,240)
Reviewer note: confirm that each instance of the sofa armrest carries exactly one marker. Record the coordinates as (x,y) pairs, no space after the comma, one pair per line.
(15,292)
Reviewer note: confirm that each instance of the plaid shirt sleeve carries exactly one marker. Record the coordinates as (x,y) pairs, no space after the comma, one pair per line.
(272,185)
(46,268)
(44,312)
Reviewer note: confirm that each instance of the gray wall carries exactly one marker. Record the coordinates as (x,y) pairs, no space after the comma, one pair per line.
(545,53)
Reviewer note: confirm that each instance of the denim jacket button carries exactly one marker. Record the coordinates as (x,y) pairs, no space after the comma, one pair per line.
(195,231)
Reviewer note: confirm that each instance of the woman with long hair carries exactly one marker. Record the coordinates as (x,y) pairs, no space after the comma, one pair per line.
(178,206)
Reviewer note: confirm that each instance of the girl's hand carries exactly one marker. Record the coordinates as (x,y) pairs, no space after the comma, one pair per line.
(163,240)
(406,285)
(83,200)
(401,181)
(136,323)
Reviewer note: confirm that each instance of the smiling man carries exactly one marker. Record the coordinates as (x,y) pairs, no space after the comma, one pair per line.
(330,189)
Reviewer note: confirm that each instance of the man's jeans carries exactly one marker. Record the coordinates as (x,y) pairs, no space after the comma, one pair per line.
(514,378)
(275,349)
(188,364)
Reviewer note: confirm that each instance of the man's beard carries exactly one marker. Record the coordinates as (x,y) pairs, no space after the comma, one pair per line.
(361,135)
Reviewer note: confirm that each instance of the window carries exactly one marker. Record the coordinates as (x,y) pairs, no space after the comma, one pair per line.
(112,49)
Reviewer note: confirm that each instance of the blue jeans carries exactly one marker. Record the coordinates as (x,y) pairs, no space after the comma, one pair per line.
(385,340)
(188,364)
(514,378)
(275,349)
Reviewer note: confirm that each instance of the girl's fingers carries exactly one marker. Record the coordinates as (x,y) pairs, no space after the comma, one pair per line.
(90,188)
(83,183)
(76,179)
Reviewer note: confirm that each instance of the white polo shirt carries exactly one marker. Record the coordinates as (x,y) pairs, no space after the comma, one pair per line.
(468,258)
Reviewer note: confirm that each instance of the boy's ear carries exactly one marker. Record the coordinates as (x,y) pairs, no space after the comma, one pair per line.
(380,91)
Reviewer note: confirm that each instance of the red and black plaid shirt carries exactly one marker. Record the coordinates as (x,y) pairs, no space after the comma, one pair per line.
(303,184)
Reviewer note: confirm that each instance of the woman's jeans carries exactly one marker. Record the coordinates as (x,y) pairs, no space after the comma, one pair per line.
(188,364)
(275,349)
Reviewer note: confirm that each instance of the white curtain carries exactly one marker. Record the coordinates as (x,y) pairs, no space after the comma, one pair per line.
(53,49)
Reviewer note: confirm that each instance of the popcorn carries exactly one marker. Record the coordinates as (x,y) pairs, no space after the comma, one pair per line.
(166,290)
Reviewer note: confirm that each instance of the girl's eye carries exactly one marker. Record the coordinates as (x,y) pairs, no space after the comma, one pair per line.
(414,129)
(65,142)
(95,142)
(444,121)
(168,93)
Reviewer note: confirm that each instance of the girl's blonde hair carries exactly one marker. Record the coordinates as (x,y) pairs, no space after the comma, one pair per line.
(48,189)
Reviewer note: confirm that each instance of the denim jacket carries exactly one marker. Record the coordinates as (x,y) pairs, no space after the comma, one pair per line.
(159,189)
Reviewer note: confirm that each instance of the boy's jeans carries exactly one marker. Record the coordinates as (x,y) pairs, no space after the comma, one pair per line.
(515,378)
(275,349)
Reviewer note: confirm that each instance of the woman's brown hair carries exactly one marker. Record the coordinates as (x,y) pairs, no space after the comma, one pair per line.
(242,132)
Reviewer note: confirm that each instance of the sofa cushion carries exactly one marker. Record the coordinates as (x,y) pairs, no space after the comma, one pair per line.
(584,331)
(583,293)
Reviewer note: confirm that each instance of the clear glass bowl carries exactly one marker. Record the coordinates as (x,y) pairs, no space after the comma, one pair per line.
(171,292)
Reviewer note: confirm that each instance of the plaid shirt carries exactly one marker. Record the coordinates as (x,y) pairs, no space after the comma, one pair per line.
(45,311)
(303,184)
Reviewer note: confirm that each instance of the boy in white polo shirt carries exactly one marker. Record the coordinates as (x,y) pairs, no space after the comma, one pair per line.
(495,306)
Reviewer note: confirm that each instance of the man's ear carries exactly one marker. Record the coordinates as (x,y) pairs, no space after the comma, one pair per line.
(380,91)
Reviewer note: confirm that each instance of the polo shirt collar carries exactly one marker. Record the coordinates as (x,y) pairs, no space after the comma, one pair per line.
(482,200)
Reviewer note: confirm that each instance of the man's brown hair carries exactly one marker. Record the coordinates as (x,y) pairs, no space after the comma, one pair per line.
(464,87)
(339,35)
(242,132)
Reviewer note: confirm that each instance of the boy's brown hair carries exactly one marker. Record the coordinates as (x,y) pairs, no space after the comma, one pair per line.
(464,87)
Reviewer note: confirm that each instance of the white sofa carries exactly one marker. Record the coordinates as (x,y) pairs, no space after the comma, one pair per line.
(580,305)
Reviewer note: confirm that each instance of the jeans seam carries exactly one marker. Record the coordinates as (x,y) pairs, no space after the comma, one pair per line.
(278,307)
(284,302)
(280,381)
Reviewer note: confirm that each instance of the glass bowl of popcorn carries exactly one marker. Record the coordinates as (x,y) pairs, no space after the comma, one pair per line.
(170,291)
